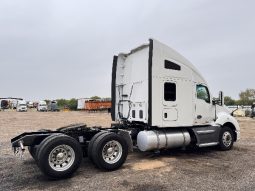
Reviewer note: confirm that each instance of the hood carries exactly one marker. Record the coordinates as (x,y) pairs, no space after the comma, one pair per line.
(224,108)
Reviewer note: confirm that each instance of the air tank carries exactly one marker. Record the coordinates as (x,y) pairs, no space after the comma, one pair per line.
(155,140)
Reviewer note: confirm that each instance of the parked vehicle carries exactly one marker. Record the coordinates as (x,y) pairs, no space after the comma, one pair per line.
(253,110)
(97,105)
(14,104)
(4,104)
(159,101)
(21,106)
(35,104)
(81,103)
(42,106)
(53,106)
(30,104)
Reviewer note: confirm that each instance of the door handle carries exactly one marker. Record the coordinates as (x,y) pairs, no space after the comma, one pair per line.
(199,116)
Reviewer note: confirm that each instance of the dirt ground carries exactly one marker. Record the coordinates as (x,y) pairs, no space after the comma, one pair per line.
(201,169)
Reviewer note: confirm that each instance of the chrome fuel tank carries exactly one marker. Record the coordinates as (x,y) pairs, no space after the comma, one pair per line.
(154,140)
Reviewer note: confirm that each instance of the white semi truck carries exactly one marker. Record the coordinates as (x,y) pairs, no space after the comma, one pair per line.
(21,106)
(42,106)
(159,101)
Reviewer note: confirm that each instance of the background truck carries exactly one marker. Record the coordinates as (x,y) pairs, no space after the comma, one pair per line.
(30,104)
(159,101)
(4,104)
(53,106)
(42,106)
(21,106)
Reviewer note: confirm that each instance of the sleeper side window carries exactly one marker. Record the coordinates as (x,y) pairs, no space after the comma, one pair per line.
(169,91)
(171,65)
(203,93)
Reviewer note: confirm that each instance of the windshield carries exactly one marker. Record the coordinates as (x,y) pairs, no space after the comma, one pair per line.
(42,104)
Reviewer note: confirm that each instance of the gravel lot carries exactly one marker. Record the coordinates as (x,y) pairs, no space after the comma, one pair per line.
(202,169)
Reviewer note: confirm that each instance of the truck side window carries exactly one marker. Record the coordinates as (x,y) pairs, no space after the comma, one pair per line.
(169,91)
(203,93)
(171,65)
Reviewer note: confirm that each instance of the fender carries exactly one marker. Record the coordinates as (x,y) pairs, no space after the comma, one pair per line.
(224,118)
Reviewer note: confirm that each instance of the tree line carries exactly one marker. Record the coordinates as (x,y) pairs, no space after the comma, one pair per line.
(70,103)
(246,97)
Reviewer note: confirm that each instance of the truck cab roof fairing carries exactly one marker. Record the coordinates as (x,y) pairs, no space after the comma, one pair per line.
(181,59)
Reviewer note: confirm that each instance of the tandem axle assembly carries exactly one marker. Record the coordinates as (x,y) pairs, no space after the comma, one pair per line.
(59,153)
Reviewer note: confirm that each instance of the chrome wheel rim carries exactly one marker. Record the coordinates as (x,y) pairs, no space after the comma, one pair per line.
(112,152)
(61,158)
(227,138)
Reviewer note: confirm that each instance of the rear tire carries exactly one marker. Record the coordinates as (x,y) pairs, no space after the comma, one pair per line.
(32,149)
(109,151)
(226,139)
(59,156)
(91,143)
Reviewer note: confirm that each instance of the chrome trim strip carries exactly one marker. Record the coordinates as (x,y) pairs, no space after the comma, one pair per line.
(205,131)
(208,144)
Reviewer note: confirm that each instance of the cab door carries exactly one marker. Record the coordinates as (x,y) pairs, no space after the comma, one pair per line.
(169,101)
(204,109)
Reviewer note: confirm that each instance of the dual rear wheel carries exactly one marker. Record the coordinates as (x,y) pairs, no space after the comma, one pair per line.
(59,155)
(108,150)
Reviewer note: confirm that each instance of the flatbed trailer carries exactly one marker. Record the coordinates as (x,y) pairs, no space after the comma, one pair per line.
(159,101)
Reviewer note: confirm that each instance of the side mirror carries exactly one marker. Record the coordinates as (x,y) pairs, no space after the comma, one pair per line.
(219,100)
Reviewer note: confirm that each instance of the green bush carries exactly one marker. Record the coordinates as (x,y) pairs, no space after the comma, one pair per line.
(71,104)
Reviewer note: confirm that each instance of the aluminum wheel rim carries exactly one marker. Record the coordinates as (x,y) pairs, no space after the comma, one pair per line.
(61,158)
(227,138)
(112,152)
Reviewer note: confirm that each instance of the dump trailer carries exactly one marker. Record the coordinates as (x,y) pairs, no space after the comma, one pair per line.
(97,105)
(159,101)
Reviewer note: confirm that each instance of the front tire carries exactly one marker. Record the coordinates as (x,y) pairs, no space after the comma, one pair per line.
(226,139)
(59,156)
(109,151)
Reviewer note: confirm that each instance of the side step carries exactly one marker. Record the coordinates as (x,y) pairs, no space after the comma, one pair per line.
(207,135)
(208,144)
